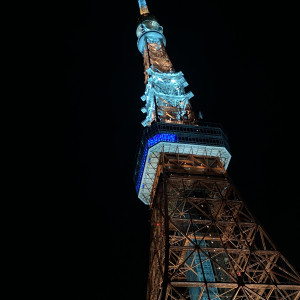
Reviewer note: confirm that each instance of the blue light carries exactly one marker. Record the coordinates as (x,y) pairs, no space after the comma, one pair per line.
(161,137)
(164,90)
(142,3)
(196,263)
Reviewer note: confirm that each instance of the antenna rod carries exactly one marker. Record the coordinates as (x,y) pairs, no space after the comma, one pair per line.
(143,7)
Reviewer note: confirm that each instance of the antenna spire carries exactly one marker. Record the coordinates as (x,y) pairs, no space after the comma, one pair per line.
(143,7)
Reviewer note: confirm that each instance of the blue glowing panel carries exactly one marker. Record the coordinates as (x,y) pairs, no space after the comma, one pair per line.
(142,166)
(161,137)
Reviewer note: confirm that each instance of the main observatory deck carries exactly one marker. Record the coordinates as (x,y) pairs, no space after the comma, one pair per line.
(204,139)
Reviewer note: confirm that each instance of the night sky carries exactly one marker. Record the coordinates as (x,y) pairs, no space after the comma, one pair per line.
(238,61)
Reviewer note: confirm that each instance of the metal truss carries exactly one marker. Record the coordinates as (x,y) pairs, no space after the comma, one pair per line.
(156,55)
(205,243)
(165,97)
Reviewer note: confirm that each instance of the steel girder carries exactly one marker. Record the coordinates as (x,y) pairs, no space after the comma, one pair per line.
(205,243)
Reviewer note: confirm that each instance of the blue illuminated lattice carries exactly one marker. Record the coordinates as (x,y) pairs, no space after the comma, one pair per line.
(208,274)
(165,90)
(161,137)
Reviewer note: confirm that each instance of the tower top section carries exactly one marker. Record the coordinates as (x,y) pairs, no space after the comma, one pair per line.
(165,97)
(170,124)
(143,7)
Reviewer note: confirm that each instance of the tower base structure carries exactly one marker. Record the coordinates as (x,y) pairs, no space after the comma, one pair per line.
(205,243)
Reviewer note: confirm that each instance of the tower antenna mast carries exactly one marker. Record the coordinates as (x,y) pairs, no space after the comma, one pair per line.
(143,7)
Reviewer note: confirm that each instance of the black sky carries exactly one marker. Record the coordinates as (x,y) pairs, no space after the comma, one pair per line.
(236,57)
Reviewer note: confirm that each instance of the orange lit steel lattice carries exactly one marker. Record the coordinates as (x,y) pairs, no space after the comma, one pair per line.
(198,219)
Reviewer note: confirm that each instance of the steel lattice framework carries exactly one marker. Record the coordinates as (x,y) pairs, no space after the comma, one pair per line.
(205,243)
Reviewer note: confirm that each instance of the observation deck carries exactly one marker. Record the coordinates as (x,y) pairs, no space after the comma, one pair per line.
(149,31)
(206,139)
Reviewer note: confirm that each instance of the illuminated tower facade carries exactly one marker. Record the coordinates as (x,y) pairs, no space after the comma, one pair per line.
(205,243)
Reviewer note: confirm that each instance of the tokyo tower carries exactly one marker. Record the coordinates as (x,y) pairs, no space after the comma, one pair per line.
(205,244)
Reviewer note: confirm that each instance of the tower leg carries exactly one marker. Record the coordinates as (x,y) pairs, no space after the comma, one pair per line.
(205,243)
